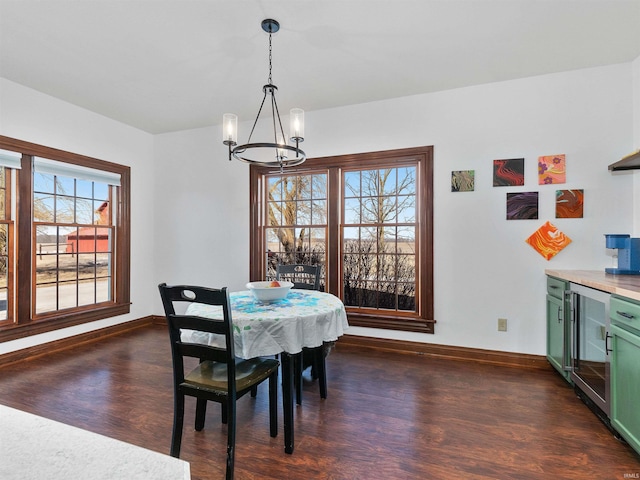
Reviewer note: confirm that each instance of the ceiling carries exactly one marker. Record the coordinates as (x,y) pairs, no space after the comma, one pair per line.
(164,66)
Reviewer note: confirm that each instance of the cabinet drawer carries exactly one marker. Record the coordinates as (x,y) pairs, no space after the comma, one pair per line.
(625,311)
(556,287)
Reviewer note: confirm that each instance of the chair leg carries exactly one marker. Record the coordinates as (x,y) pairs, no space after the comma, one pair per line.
(201,413)
(321,370)
(178,420)
(254,391)
(231,436)
(225,416)
(297,372)
(273,404)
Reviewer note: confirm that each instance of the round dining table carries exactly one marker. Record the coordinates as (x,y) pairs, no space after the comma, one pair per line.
(303,319)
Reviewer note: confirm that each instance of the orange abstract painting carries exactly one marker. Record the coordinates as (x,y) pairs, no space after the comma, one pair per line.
(569,203)
(548,240)
(551,169)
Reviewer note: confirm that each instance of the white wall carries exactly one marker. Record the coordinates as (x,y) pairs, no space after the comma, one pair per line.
(636,143)
(201,212)
(483,267)
(190,205)
(28,115)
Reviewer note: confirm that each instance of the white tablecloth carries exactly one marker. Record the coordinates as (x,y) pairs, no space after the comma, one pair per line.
(305,318)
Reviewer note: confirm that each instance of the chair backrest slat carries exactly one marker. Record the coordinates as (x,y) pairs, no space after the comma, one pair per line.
(302,276)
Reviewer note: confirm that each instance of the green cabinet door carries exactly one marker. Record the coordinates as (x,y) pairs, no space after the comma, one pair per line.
(625,385)
(557,340)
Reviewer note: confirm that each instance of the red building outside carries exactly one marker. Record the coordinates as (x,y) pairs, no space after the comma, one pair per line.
(91,239)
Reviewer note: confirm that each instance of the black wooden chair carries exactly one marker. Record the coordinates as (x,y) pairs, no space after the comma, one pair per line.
(306,277)
(219,376)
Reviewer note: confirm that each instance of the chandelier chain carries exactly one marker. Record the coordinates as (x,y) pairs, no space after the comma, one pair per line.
(270,56)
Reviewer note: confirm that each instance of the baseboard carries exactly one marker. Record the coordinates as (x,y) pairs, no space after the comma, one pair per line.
(449,352)
(36,351)
(442,351)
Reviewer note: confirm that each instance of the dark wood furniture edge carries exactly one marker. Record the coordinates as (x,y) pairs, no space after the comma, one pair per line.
(36,351)
(494,357)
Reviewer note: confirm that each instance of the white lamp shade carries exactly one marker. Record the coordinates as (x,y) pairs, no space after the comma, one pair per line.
(230,128)
(296,124)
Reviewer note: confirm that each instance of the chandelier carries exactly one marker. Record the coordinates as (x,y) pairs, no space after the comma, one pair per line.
(276,153)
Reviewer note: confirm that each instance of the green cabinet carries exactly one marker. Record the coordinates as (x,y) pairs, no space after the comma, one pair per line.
(558,325)
(625,369)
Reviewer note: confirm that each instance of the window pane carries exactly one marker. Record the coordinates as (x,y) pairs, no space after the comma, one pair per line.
(304,187)
(303,211)
(43,207)
(67,294)
(4,270)
(43,183)
(64,185)
(319,186)
(352,184)
(319,212)
(84,211)
(274,188)
(100,191)
(351,210)
(64,209)
(84,188)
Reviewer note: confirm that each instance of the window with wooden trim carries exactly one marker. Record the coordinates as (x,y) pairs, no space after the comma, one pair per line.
(71,216)
(366,219)
(6,239)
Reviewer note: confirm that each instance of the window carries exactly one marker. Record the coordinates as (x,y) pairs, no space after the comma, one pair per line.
(7,160)
(296,229)
(71,215)
(366,219)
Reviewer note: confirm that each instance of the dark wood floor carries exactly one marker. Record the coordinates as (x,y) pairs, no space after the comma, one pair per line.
(387,416)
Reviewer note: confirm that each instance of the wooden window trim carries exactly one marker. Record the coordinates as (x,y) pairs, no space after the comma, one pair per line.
(425,321)
(25,324)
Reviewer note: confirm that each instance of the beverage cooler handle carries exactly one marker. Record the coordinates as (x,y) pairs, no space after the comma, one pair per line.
(567,331)
(606,343)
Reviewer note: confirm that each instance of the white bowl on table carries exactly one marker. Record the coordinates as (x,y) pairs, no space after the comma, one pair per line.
(268,291)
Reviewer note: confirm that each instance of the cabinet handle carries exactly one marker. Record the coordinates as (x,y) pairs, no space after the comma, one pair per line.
(606,343)
(625,315)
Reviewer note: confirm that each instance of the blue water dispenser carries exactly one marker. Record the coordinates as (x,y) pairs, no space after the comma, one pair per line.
(628,254)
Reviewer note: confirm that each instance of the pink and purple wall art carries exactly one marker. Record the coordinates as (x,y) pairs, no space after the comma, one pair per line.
(551,169)
(522,206)
(508,173)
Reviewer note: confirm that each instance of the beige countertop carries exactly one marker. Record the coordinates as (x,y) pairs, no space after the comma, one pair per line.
(623,285)
(35,448)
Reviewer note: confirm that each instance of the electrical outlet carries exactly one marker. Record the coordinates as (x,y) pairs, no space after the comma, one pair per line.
(502,324)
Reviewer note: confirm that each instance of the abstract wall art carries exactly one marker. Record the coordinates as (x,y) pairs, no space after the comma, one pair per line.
(548,241)
(522,206)
(551,169)
(508,173)
(569,203)
(463,180)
